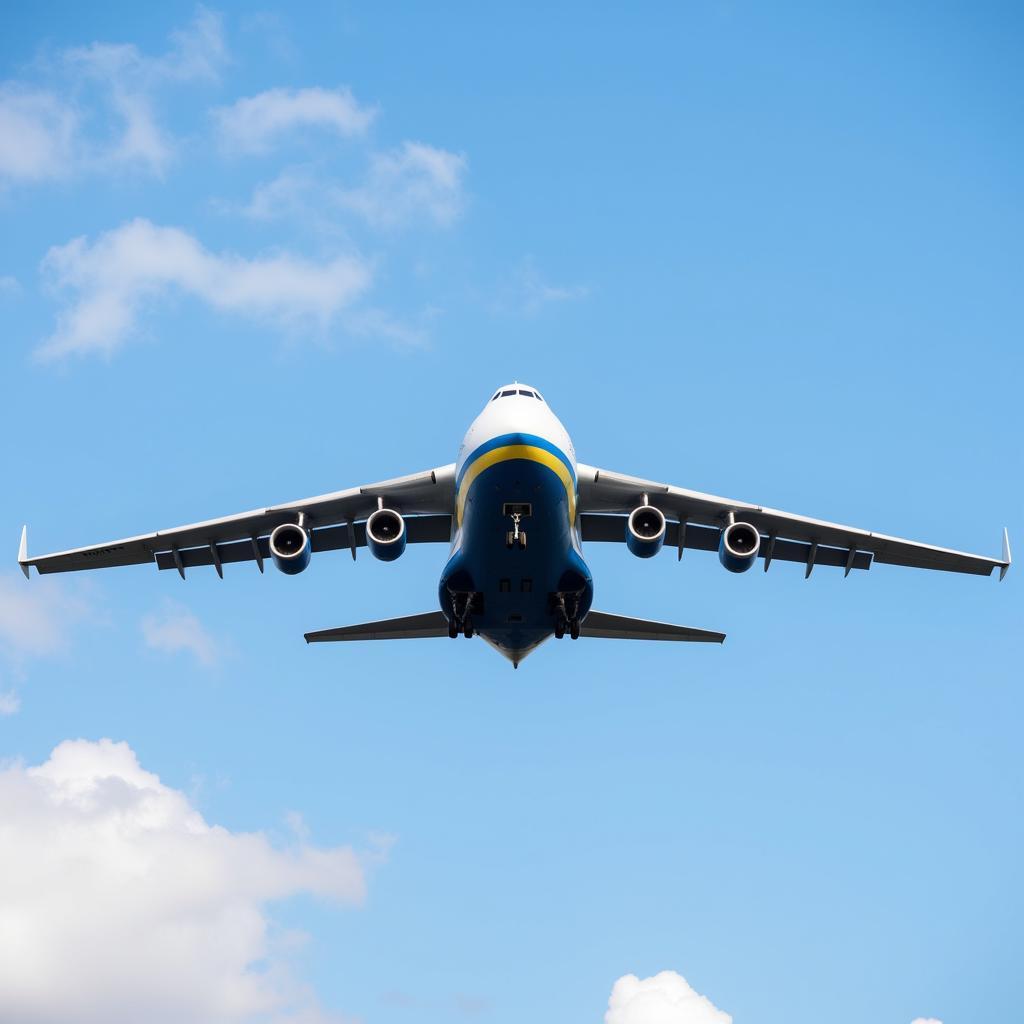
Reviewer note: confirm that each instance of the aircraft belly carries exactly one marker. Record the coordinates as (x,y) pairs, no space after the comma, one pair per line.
(516,584)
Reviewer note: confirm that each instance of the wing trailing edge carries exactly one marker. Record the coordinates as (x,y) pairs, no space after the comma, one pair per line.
(623,627)
(406,627)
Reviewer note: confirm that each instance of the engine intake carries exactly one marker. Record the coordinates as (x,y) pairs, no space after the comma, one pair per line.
(290,548)
(738,547)
(645,531)
(386,534)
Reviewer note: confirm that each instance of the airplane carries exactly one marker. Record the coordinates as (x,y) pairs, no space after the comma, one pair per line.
(515,509)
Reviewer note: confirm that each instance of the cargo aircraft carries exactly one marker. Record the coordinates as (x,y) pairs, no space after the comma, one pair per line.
(515,510)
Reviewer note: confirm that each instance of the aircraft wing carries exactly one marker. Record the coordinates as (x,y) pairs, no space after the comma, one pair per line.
(336,520)
(606,498)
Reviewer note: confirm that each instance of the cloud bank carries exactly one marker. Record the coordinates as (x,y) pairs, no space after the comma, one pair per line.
(140,262)
(122,904)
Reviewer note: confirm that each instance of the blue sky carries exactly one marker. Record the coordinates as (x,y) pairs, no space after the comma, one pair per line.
(249,256)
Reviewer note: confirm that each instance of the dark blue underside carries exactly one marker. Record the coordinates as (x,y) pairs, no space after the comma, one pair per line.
(549,561)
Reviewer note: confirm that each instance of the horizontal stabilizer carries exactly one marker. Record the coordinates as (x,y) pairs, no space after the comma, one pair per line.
(622,627)
(407,627)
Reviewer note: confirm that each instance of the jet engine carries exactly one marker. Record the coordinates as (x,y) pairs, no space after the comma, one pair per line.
(385,534)
(645,531)
(738,547)
(290,548)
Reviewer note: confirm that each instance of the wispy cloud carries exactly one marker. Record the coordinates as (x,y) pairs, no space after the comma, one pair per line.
(174,629)
(38,134)
(140,261)
(411,184)
(255,124)
(526,293)
(36,617)
(49,132)
(37,620)
(128,905)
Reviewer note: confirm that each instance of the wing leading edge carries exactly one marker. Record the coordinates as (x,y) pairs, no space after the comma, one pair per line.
(336,520)
(605,498)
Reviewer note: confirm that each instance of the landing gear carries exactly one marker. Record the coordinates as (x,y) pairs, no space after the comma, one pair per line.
(567,617)
(516,537)
(460,620)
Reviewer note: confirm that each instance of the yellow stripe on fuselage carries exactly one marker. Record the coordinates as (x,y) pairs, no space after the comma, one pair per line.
(516,451)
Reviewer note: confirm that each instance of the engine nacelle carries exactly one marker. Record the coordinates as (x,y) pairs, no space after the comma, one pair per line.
(290,548)
(645,531)
(386,534)
(738,547)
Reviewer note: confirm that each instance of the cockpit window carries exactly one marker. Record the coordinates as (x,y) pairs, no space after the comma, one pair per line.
(505,394)
(538,396)
(528,394)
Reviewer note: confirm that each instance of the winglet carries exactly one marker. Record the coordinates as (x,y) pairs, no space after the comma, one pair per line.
(1005,567)
(23,551)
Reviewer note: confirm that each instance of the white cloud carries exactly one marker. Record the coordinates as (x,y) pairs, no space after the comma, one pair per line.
(43,132)
(36,616)
(413,181)
(122,904)
(196,54)
(37,619)
(665,998)
(9,285)
(253,124)
(37,134)
(174,628)
(292,192)
(139,262)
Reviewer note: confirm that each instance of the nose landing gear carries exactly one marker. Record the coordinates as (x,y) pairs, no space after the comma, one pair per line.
(517,511)
(515,537)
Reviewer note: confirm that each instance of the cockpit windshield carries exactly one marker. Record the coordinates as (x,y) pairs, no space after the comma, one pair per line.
(524,392)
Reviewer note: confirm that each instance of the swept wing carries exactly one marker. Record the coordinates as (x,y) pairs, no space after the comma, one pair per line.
(606,498)
(336,520)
